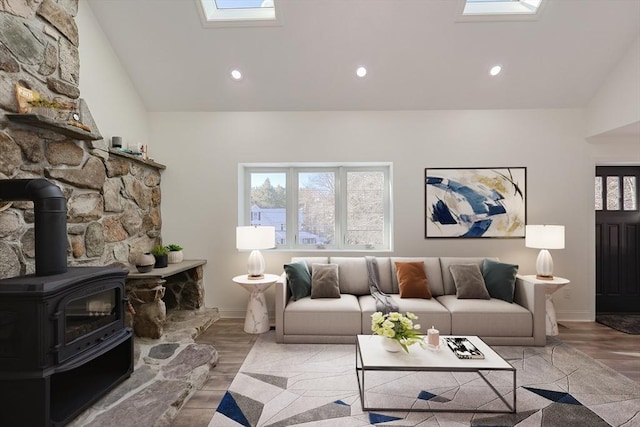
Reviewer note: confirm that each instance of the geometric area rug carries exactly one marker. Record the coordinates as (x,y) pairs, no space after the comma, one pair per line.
(316,385)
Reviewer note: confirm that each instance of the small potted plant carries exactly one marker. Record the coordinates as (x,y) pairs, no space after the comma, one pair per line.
(175,253)
(161,254)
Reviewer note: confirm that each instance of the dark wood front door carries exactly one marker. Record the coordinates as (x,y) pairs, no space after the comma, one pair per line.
(617,239)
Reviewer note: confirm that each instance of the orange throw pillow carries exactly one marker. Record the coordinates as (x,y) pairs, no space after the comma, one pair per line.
(412,280)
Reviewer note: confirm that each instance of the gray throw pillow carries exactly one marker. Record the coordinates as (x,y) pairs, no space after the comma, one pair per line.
(469,282)
(324,281)
(500,279)
(299,279)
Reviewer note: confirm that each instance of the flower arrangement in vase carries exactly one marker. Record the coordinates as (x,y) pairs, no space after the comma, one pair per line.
(396,327)
(175,253)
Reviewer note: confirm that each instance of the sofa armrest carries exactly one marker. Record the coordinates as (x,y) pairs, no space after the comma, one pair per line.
(282,296)
(531,296)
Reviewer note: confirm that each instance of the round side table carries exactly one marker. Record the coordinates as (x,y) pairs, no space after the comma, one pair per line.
(257,319)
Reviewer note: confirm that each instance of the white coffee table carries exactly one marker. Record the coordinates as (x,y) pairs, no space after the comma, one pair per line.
(371,356)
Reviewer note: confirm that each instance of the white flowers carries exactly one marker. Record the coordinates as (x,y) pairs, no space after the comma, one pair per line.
(398,327)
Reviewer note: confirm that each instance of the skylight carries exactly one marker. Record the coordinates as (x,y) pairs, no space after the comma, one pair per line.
(258,12)
(501,7)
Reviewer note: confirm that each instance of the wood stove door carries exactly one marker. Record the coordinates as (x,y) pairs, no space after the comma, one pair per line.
(89,318)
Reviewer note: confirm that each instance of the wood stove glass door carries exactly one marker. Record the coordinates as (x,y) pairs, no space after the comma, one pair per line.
(86,314)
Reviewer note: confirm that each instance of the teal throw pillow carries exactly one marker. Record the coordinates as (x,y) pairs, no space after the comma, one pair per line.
(500,279)
(299,279)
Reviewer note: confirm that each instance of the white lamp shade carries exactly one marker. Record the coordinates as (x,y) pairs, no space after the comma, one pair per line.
(544,236)
(255,237)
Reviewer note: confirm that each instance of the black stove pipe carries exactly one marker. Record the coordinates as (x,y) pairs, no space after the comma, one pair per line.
(50,208)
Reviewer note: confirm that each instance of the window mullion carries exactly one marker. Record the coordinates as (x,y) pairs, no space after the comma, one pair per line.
(340,211)
(292,207)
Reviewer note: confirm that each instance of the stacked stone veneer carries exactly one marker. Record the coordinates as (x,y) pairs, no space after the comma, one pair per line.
(151,297)
(113,203)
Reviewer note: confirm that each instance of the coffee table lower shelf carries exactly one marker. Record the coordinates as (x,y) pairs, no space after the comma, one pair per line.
(370,356)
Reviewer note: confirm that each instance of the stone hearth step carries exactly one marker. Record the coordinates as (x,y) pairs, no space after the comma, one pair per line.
(167,373)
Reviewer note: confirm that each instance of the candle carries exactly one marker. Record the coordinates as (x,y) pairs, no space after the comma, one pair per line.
(433,337)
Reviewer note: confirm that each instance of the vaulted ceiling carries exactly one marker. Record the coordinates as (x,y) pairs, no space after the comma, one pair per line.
(418,53)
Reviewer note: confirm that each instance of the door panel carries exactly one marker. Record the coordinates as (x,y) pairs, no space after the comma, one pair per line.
(617,240)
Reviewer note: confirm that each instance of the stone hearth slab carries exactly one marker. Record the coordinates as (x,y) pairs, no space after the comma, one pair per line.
(167,372)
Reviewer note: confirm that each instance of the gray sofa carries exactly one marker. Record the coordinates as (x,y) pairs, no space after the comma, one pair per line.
(339,320)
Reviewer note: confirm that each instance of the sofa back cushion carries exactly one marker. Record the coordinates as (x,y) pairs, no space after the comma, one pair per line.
(432,270)
(354,278)
(311,260)
(447,278)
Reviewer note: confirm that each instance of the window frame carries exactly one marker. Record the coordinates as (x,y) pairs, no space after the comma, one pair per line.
(341,170)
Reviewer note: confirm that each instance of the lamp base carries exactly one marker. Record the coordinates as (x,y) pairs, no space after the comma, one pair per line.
(255,276)
(543,277)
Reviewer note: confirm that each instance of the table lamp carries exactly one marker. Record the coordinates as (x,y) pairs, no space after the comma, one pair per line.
(254,238)
(544,237)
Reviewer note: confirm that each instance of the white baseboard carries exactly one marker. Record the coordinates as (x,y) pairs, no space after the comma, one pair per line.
(575,316)
(232,314)
(239,314)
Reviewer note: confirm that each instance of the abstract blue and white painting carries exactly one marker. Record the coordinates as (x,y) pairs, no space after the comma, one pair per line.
(479,202)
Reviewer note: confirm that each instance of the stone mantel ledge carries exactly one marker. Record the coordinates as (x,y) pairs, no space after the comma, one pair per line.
(137,159)
(170,270)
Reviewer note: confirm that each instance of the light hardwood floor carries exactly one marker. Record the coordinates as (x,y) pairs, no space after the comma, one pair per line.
(615,349)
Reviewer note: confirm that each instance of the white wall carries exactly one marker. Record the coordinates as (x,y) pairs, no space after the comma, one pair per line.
(113,101)
(200,195)
(616,104)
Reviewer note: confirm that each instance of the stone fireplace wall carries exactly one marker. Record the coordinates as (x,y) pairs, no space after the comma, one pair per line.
(113,202)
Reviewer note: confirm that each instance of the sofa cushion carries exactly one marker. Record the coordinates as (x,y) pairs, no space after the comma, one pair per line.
(323,316)
(311,260)
(431,268)
(429,311)
(324,281)
(353,275)
(298,279)
(468,281)
(412,280)
(489,318)
(447,278)
(500,279)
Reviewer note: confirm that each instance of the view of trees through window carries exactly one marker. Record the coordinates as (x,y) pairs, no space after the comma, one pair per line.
(365,208)
(335,207)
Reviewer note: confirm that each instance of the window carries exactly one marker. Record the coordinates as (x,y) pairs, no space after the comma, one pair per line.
(615,193)
(499,10)
(498,7)
(216,13)
(316,207)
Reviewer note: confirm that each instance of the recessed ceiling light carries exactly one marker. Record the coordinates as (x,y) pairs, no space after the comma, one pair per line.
(236,75)
(361,72)
(495,70)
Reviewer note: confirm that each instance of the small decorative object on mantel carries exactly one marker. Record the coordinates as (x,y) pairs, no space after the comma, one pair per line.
(30,102)
(396,327)
(175,253)
(145,262)
(161,254)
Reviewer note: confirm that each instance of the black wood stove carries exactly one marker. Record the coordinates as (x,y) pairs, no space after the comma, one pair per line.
(63,343)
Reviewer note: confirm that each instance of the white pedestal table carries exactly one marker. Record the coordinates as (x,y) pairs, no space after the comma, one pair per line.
(550,286)
(257,318)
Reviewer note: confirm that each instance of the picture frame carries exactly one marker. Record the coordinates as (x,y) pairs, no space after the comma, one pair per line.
(479,202)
